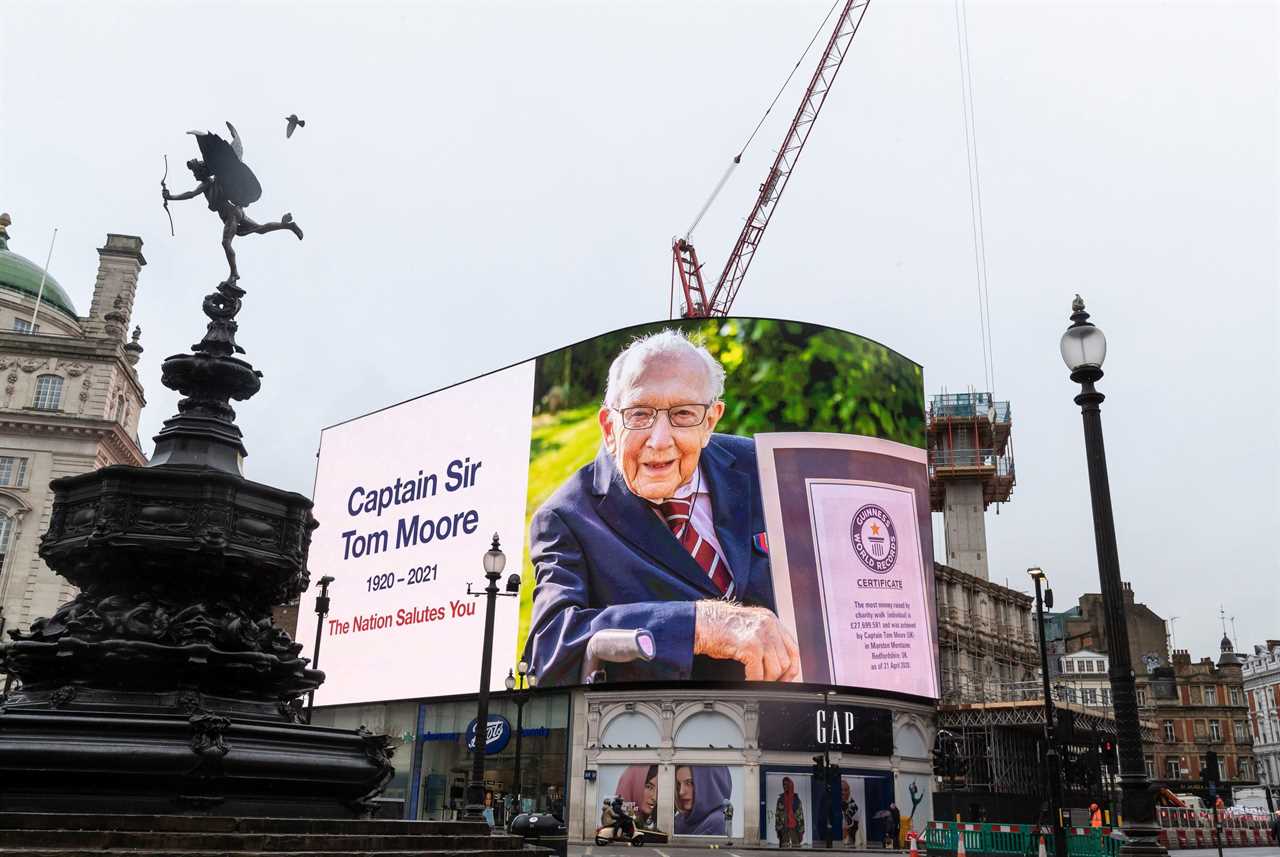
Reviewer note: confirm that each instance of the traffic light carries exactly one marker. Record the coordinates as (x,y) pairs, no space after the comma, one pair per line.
(1210,773)
(1108,753)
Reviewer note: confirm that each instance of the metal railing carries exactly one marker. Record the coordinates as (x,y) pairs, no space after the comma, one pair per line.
(1003,464)
(968,405)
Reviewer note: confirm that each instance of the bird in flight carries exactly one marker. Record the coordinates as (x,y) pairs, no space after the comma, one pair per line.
(294,122)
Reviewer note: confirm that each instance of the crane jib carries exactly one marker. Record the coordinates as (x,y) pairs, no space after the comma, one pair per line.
(697,304)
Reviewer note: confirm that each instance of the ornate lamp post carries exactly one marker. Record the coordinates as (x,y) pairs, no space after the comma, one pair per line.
(494,562)
(520,683)
(322,610)
(1083,349)
(1051,759)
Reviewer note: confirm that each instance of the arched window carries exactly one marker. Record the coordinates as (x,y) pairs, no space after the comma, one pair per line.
(48,393)
(708,729)
(6,532)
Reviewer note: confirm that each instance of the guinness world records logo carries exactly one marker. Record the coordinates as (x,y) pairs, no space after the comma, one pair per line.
(874,539)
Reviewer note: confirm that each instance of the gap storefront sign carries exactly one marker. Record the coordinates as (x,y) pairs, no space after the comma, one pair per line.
(801,726)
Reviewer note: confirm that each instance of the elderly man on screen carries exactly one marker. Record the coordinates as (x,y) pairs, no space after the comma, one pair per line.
(662,532)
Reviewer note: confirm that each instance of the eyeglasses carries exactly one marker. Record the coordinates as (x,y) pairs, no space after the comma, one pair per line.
(680,416)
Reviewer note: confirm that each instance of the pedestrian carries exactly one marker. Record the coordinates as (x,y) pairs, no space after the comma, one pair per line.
(788,816)
(892,824)
(1095,816)
(1275,827)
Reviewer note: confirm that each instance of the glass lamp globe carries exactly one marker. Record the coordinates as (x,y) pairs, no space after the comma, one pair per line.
(523,668)
(510,681)
(533,680)
(1083,345)
(494,559)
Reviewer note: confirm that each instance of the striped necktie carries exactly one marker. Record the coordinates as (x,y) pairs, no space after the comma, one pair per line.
(676,514)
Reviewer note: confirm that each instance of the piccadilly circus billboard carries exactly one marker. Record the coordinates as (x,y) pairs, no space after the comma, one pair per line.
(735,499)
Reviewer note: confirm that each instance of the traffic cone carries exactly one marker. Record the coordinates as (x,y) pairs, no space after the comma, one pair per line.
(912,836)
(1042,852)
(960,841)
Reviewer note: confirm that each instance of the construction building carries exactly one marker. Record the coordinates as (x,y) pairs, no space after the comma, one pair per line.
(70,405)
(970,467)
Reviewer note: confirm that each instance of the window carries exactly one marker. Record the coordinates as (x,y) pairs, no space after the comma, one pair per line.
(1239,730)
(1090,696)
(1237,696)
(48,393)
(1204,764)
(1100,666)
(1070,665)
(1086,666)
(1245,766)
(1151,767)
(21,325)
(1210,696)
(1168,732)
(13,471)
(1215,730)
(1171,769)
(1106,696)
(6,531)
(1142,696)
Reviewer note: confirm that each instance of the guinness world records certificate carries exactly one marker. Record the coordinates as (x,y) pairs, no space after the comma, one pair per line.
(850,543)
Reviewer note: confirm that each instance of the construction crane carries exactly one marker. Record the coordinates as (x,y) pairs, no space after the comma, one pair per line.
(685,258)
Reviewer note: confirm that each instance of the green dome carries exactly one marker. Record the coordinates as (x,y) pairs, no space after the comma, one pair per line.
(20,274)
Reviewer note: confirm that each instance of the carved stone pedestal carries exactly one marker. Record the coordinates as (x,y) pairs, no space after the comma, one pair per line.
(164,686)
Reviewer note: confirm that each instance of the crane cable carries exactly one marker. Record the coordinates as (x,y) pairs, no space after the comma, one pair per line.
(975,195)
(737,159)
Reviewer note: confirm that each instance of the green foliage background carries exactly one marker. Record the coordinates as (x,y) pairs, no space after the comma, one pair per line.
(779,376)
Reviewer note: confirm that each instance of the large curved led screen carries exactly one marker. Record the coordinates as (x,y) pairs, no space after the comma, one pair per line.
(724,500)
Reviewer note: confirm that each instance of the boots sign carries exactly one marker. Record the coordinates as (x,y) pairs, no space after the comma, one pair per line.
(813,726)
(496,736)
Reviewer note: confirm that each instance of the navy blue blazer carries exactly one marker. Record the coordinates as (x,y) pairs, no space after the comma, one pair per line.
(603,559)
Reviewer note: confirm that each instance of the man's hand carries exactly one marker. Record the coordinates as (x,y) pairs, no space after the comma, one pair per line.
(753,636)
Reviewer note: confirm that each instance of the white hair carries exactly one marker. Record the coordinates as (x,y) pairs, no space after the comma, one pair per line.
(632,361)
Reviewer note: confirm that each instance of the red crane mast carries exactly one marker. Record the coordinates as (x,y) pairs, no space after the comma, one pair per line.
(696,302)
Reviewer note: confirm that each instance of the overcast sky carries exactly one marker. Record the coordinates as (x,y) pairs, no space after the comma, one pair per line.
(480,182)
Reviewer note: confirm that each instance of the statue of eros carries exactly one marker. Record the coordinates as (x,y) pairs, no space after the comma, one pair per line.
(228,185)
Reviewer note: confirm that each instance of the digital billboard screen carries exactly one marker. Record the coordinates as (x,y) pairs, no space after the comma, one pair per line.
(691,500)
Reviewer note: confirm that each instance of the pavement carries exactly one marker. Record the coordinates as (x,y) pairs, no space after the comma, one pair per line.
(735,851)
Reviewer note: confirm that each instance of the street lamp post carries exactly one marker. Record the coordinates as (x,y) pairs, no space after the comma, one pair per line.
(1084,348)
(520,684)
(494,562)
(322,610)
(1050,732)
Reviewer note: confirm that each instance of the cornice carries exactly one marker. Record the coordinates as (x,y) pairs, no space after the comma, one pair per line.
(107,432)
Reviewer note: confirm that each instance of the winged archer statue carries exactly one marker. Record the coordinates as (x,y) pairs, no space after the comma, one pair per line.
(228,185)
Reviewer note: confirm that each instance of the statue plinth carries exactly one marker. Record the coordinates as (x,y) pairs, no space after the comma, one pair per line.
(164,685)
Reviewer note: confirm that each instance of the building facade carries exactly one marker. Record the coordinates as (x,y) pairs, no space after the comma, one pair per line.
(1198,707)
(1261,674)
(675,744)
(986,637)
(70,404)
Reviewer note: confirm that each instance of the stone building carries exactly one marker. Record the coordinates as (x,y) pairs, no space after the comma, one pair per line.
(987,649)
(1198,707)
(70,404)
(1261,673)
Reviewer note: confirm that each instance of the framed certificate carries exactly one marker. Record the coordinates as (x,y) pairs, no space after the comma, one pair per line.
(851,552)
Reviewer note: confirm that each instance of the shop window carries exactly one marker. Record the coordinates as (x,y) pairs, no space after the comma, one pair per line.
(630,729)
(709,729)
